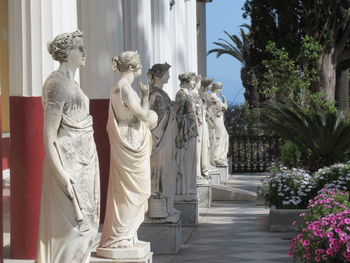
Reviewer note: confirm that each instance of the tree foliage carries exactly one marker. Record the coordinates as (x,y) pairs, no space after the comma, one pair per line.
(288,22)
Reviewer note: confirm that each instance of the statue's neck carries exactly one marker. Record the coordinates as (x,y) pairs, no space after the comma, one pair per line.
(157,84)
(128,76)
(67,69)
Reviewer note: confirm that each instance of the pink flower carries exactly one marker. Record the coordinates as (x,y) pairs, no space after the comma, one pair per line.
(306,243)
(317,258)
(329,251)
(330,234)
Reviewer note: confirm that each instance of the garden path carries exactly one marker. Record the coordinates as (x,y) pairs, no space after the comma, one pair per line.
(229,232)
(234,232)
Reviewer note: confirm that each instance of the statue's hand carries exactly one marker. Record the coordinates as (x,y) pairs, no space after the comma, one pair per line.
(152,119)
(68,189)
(144,89)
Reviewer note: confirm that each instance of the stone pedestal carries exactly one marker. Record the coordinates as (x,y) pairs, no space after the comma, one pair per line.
(281,220)
(165,238)
(141,252)
(215,178)
(189,211)
(223,169)
(204,195)
(146,259)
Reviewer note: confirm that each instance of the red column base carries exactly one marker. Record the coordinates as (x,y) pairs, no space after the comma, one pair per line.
(26,157)
(99,111)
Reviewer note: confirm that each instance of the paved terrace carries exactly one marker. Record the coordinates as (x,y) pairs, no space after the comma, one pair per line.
(229,232)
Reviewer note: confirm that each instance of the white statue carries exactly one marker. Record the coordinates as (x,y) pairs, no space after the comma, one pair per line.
(218,106)
(69,214)
(208,126)
(163,163)
(186,139)
(128,127)
(203,137)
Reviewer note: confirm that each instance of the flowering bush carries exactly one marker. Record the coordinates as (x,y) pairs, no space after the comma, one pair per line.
(336,176)
(325,233)
(288,188)
(292,188)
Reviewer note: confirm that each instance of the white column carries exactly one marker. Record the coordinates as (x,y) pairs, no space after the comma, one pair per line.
(201,39)
(191,36)
(138,31)
(31,24)
(102,24)
(183,35)
(162,46)
(178,43)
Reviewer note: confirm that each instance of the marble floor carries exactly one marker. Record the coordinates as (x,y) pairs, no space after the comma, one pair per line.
(233,232)
(228,232)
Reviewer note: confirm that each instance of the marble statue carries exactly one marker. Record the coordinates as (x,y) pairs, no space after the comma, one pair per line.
(203,137)
(163,164)
(208,126)
(128,127)
(69,214)
(218,106)
(186,138)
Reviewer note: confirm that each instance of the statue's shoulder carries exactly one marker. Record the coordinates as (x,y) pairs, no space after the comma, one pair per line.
(55,86)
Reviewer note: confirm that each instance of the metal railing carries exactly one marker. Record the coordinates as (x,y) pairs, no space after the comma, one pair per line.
(253,154)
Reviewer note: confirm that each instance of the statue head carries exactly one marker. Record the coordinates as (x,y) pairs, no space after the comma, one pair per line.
(205,84)
(159,72)
(216,86)
(198,80)
(188,80)
(64,43)
(128,60)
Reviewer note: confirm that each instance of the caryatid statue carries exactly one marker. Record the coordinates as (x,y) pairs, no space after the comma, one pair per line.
(70,201)
(218,106)
(208,125)
(186,138)
(129,186)
(163,163)
(203,137)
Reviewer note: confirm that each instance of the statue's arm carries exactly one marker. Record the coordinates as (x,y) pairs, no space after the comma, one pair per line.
(55,96)
(224,102)
(141,111)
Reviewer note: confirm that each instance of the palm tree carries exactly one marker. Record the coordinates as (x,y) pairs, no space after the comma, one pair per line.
(320,135)
(239,48)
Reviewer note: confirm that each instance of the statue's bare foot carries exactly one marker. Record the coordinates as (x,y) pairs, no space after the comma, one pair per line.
(139,242)
(125,243)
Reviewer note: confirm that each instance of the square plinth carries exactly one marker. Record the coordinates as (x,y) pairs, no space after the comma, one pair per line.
(146,259)
(204,195)
(215,178)
(189,212)
(223,169)
(165,238)
(139,251)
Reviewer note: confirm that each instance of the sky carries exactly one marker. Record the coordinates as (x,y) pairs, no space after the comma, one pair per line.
(225,15)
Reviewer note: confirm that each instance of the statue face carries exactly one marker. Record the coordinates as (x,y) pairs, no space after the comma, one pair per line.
(138,72)
(192,84)
(77,56)
(165,78)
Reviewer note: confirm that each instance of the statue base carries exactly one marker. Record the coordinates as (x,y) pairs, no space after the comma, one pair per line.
(204,195)
(169,219)
(223,169)
(141,252)
(165,238)
(215,177)
(189,210)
